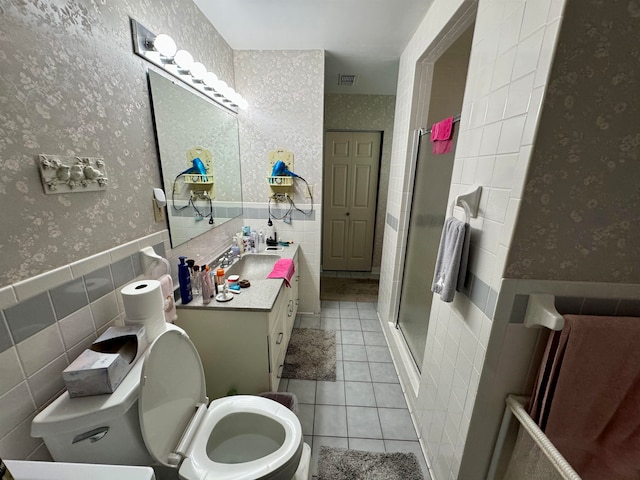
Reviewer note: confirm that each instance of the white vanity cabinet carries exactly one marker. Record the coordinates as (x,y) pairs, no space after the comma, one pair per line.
(242,350)
(283,317)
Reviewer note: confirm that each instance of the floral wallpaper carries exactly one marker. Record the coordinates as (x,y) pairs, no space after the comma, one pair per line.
(284,90)
(367,112)
(580,212)
(70,84)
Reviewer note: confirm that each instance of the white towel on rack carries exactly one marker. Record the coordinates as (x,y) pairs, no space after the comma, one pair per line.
(464,259)
(453,249)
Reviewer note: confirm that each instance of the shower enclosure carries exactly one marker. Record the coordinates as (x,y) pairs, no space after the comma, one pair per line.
(432,181)
(428,207)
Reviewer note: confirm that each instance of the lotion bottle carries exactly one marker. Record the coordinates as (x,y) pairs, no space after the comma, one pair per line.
(184,277)
(196,281)
(207,286)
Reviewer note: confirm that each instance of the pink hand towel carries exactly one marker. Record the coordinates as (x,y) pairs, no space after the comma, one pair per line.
(283,268)
(441,136)
(442,130)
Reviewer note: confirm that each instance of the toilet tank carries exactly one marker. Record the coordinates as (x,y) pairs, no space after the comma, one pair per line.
(96,429)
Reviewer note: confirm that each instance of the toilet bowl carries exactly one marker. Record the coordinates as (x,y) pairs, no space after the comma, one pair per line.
(161,417)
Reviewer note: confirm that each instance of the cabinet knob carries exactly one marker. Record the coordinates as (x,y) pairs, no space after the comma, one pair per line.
(280,337)
(280,370)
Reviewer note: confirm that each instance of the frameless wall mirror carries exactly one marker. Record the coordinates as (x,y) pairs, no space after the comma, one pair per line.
(199,159)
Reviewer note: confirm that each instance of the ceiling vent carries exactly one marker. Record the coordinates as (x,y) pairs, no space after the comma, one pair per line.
(347,80)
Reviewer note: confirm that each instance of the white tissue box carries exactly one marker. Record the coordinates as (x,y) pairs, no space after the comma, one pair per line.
(103,366)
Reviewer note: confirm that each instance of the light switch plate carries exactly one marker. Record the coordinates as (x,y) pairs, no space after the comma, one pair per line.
(158,212)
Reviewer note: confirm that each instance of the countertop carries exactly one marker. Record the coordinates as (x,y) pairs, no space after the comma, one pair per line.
(260,296)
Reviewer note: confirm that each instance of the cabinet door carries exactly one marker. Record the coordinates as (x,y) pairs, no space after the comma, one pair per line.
(279,335)
(294,295)
(232,348)
(278,342)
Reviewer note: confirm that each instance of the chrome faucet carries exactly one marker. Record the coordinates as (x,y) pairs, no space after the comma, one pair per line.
(226,260)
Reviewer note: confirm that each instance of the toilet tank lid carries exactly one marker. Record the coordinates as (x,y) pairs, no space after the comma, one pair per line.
(66,414)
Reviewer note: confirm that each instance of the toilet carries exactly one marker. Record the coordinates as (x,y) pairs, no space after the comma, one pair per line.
(159,416)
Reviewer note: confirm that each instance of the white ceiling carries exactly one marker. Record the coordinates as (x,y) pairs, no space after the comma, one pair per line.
(361,37)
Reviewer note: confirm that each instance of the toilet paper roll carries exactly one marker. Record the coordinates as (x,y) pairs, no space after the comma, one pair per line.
(144,305)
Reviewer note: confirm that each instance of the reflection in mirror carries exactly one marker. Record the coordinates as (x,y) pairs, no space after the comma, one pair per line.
(199,159)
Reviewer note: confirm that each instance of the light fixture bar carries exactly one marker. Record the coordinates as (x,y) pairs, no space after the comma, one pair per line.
(181,65)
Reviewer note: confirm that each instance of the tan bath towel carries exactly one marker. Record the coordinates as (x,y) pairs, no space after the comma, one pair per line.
(587,399)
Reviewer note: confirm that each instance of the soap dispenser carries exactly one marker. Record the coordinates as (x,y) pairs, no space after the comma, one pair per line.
(184,278)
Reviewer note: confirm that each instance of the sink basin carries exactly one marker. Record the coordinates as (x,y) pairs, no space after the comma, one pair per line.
(253,266)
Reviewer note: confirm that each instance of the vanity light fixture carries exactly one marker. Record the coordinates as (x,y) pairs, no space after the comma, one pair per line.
(162,51)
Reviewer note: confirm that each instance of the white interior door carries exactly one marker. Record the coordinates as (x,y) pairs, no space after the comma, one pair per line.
(351,167)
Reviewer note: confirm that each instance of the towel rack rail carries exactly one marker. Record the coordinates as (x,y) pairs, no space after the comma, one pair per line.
(541,312)
(516,408)
(427,131)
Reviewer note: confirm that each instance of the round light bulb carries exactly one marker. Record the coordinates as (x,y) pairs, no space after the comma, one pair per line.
(234,97)
(164,44)
(210,79)
(198,70)
(229,93)
(226,91)
(183,60)
(220,86)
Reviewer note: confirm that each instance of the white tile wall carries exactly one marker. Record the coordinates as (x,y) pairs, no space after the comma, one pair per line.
(510,59)
(11,373)
(30,372)
(38,350)
(307,234)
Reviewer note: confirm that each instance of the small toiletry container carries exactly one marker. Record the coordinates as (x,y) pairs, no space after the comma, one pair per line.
(220,281)
(232,281)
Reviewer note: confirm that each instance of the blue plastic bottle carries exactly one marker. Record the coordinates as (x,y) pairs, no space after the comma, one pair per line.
(184,277)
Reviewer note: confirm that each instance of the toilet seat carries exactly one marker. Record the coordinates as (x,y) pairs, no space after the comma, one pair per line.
(198,463)
(178,428)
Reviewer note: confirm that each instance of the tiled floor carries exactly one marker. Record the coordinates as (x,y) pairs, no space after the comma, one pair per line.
(365,407)
(347,274)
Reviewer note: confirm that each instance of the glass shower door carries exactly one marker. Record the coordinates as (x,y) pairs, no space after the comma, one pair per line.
(428,209)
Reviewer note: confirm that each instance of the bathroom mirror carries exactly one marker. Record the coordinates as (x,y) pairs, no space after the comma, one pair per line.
(200,138)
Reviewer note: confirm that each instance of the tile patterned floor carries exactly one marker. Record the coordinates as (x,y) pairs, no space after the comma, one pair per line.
(365,407)
(347,274)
